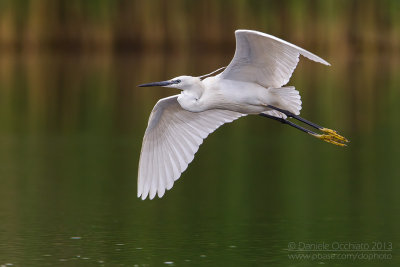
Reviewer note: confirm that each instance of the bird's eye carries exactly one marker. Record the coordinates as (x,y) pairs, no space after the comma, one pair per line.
(177,81)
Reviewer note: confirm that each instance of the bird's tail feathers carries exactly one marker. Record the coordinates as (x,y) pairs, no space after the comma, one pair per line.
(289,99)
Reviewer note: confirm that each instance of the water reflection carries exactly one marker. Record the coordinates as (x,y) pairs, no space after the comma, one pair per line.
(70,135)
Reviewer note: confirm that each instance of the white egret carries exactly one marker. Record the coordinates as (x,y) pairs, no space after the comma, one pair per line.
(253,83)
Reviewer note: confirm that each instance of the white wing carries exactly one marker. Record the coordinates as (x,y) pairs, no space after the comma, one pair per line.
(264,59)
(172,137)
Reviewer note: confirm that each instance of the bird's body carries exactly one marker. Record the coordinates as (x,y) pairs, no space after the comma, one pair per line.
(217,93)
(253,83)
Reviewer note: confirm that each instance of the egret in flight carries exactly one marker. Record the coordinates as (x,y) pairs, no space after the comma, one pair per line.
(253,83)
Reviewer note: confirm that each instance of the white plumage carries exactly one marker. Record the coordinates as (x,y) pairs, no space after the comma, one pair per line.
(250,84)
(172,138)
(264,59)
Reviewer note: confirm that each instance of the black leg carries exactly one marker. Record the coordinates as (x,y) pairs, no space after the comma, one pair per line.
(291,115)
(284,121)
(330,136)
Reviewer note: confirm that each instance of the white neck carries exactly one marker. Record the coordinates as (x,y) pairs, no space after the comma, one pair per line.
(190,98)
(195,89)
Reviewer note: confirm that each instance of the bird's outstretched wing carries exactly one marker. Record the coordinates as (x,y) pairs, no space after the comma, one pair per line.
(264,59)
(172,137)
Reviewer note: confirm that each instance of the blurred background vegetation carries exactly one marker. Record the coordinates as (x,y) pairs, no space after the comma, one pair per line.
(338,25)
(72,40)
(72,121)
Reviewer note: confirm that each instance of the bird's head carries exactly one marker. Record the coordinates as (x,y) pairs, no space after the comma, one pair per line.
(180,82)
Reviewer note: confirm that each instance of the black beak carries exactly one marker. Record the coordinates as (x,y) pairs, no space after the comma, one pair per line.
(163,83)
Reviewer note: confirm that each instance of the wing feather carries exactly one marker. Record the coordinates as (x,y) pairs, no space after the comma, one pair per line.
(172,137)
(174,161)
(264,59)
(162,179)
(154,182)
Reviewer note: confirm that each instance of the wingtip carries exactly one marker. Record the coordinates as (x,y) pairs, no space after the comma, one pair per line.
(143,195)
(160,195)
(326,62)
(152,195)
(314,57)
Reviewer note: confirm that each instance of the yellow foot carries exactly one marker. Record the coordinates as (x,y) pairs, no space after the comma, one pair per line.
(331,137)
(334,134)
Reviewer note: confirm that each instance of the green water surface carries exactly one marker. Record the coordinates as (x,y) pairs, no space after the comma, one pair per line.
(71,128)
